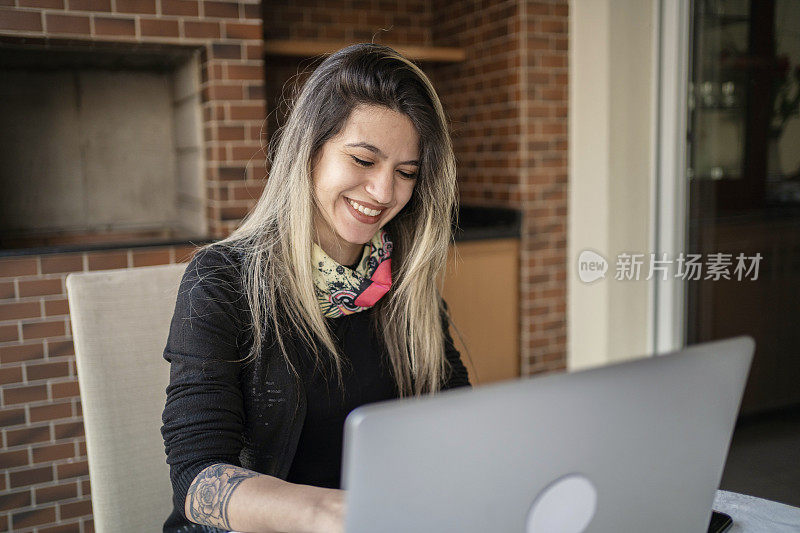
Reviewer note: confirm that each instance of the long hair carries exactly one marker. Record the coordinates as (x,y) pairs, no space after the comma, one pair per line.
(275,239)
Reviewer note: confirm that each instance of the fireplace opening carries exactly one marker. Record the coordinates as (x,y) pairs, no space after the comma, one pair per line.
(100,145)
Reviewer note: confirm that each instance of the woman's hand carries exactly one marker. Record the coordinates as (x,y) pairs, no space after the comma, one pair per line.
(329,511)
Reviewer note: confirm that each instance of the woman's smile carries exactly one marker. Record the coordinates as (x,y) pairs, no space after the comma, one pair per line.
(362,213)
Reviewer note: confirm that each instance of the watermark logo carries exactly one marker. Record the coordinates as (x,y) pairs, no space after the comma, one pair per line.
(633,267)
(591,266)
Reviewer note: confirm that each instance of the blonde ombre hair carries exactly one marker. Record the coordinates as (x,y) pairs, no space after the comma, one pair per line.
(275,239)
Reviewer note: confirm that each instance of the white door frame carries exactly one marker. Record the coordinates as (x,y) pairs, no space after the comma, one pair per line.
(669,202)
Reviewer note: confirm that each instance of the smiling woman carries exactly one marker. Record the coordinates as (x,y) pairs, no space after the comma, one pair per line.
(324,299)
(358,185)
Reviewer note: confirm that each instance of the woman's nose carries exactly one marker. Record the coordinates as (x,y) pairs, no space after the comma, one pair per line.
(381,186)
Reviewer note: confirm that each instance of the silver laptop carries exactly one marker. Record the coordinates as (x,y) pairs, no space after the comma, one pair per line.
(631,447)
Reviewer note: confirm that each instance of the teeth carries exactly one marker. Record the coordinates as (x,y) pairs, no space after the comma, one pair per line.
(366,211)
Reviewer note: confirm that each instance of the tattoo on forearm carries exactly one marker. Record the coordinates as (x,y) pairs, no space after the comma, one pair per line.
(210,493)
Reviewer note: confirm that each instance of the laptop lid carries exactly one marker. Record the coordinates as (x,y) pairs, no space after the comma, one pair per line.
(635,446)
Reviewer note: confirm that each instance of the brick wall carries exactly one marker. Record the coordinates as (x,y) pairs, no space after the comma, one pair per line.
(508,103)
(45,477)
(44,483)
(404,21)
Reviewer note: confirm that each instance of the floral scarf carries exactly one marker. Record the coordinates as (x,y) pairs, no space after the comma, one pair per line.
(342,291)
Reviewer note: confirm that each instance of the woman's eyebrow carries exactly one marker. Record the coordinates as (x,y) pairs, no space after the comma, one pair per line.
(374,149)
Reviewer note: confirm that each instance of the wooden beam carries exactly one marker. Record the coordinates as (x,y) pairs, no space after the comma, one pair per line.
(295,48)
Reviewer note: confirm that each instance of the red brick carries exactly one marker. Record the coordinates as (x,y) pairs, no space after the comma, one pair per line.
(25,394)
(15,500)
(254,50)
(179,7)
(42,4)
(55,493)
(553,61)
(221,9)
(88,526)
(31,476)
(255,111)
(21,352)
(234,212)
(242,31)
(136,6)
(13,19)
(65,389)
(255,92)
(230,133)
(53,264)
(224,92)
(53,452)
(12,417)
(150,257)
(248,72)
(113,26)
(28,435)
(225,51)
(9,333)
(67,24)
(12,459)
(7,290)
(40,330)
(11,374)
(36,517)
(72,510)
(247,192)
(73,469)
(158,28)
(553,26)
(40,287)
(59,348)
(68,430)
(201,30)
(108,260)
(90,5)
(17,311)
(47,370)
(56,307)
(24,266)
(51,412)
(248,153)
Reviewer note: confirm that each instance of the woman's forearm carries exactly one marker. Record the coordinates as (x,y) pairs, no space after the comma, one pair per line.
(235,498)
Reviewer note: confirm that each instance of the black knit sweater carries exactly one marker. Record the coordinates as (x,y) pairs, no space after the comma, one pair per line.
(219,410)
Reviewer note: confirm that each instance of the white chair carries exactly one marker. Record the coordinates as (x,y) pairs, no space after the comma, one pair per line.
(120,322)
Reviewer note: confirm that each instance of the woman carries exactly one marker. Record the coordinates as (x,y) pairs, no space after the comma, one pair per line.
(324,299)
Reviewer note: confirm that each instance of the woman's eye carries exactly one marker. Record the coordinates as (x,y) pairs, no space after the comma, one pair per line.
(362,162)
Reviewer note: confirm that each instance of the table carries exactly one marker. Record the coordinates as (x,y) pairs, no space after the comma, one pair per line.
(756,515)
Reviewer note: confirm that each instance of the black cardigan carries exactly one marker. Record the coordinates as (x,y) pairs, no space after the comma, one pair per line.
(219,410)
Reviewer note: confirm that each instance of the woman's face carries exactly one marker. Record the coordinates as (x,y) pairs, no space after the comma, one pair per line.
(363,177)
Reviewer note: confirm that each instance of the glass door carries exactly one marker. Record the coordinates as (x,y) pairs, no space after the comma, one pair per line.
(744,187)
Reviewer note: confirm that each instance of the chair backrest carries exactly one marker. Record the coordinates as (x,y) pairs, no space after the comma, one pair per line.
(120,322)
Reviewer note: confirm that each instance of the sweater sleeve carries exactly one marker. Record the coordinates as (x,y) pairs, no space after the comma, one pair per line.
(203,417)
(458,376)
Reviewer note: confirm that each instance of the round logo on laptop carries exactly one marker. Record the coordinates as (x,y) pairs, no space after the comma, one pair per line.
(566,505)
